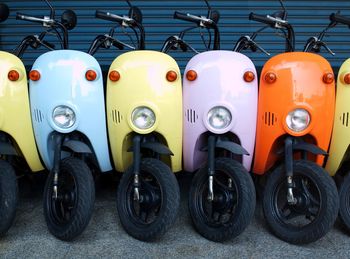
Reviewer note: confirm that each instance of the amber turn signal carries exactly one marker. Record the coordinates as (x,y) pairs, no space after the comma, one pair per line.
(90,75)
(249,76)
(13,75)
(346,78)
(270,77)
(34,75)
(328,78)
(191,75)
(114,76)
(171,76)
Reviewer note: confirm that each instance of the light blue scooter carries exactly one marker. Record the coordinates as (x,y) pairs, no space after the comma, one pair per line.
(68,115)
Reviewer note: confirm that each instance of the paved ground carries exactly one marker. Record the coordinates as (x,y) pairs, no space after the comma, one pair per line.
(104,237)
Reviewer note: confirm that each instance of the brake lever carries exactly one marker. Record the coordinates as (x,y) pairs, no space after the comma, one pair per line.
(327,48)
(259,47)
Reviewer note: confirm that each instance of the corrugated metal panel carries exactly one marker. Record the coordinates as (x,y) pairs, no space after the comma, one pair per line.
(308,17)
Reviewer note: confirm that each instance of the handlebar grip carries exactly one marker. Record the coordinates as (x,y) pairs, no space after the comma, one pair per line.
(108,16)
(184,17)
(30,18)
(261,18)
(334,17)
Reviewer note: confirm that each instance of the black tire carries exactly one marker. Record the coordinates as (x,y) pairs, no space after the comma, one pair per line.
(68,216)
(8,196)
(316,209)
(148,221)
(344,198)
(234,206)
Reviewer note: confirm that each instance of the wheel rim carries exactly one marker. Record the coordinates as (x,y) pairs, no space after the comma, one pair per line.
(62,208)
(220,211)
(308,206)
(145,211)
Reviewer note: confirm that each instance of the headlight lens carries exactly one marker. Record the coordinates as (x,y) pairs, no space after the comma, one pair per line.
(63,116)
(298,120)
(219,117)
(143,117)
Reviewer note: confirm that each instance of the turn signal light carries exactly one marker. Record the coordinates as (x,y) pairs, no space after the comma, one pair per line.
(34,75)
(90,75)
(171,76)
(346,78)
(270,77)
(13,75)
(191,75)
(114,76)
(248,76)
(328,78)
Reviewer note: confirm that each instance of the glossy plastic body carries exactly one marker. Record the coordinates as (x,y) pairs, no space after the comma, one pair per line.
(299,84)
(63,82)
(143,83)
(339,149)
(219,82)
(15,117)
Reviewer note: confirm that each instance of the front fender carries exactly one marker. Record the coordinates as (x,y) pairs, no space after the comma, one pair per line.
(219,83)
(63,82)
(15,118)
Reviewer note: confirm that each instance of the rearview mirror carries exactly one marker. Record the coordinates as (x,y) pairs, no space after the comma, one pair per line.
(69,19)
(4,12)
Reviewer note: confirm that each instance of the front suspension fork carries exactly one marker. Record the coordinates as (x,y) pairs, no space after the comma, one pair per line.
(58,139)
(288,153)
(211,166)
(136,165)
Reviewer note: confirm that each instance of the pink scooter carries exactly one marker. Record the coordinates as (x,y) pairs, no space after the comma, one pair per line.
(220,93)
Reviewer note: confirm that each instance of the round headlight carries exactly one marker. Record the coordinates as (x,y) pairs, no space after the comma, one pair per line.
(298,120)
(143,117)
(63,117)
(219,117)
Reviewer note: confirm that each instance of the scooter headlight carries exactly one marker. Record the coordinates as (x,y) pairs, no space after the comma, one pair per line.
(219,117)
(298,120)
(143,117)
(63,116)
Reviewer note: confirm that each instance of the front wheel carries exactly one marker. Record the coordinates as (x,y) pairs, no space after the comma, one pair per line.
(8,196)
(316,206)
(233,206)
(150,216)
(69,214)
(344,197)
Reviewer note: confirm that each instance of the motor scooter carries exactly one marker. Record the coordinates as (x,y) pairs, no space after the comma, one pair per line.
(68,116)
(338,160)
(294,126)
(144,108)
(17,145)
(220,93)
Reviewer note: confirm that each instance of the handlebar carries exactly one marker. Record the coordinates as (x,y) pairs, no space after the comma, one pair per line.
(334,17)
(47,22)
(262,19)
(111,17)
(278,23)
(203,22)
(25,17)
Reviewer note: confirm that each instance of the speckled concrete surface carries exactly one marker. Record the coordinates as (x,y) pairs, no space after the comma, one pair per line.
(104,237)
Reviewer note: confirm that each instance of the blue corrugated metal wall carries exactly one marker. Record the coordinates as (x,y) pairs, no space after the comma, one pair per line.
(309,17)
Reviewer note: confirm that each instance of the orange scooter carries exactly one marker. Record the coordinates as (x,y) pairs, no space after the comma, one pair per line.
(295,118)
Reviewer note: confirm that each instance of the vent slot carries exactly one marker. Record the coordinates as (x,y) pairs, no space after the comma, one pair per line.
(269,118)
(345,119)
(191,116)
(117,116)
(38,116)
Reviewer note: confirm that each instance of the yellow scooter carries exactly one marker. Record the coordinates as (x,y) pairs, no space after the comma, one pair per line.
(144,115)
(338,163)
(17,145)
